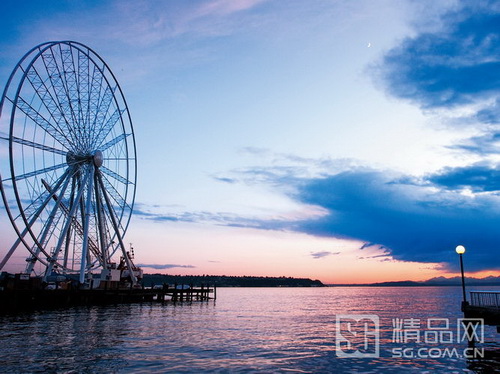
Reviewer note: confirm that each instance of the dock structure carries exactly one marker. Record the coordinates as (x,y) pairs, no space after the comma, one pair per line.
(31,297)
(485,305)
(183,293)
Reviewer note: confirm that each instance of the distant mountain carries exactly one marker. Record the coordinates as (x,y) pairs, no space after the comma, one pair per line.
(437,281)
(457,281)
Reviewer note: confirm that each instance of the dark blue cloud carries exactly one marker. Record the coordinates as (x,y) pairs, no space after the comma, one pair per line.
(412,223)
(456,65)
(477,178)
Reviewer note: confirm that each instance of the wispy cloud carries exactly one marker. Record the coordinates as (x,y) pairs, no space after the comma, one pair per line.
(322,254)
(153,22)
(165,266)
(224,7)
(162,214)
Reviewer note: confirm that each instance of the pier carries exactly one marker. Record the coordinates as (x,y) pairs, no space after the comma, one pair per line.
(485,305)
(31,297)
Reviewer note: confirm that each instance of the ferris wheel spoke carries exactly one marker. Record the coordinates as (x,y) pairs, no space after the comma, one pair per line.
(83,90)
(115,194)
(112,142)
(38,172)
(61,93)
(114,175)
(70,82)
(94,98)
(108,126)
(35,145)
(43,197)
(50,104)
(38,119)
(102,121)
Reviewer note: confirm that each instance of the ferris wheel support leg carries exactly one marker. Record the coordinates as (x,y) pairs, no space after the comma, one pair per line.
(62,234)
(21,235)
(116,228)
(100,222)
(68,234)
(48,224)
(85,245)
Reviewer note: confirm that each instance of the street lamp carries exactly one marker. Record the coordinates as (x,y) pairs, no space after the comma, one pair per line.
(461,250)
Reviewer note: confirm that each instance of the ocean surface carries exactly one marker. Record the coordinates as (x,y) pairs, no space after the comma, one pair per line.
(261,330)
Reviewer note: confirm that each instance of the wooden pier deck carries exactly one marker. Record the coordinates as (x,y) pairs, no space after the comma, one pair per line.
(485,305)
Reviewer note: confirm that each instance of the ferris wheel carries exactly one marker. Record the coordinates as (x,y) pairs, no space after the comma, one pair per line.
(68,177)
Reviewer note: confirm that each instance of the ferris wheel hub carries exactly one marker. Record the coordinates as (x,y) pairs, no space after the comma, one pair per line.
(98,159)
(74,158)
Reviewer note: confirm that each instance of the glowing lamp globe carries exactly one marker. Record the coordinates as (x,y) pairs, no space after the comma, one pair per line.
(460,249)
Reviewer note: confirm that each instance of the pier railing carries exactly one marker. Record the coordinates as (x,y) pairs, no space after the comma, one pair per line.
(485,299)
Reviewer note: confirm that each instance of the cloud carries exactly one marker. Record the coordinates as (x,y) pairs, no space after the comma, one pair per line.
(477,178)
(225,7)
(483,145)
(224,179)
(165,266)
(408,218)
(154,22)
(159,214)
(413,223)
(321,254)
(459,65)
(452,70)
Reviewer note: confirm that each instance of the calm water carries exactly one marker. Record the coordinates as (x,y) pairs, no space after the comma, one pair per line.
(270,330)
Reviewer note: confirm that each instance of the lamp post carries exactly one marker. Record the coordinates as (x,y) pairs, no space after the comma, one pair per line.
(461,250)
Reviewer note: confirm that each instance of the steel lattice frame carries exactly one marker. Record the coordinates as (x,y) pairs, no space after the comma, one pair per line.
(69,186)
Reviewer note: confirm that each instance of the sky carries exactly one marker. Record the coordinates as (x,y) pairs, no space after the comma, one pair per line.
(346,141)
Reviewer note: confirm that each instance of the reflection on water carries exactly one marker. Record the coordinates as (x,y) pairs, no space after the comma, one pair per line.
(246,330)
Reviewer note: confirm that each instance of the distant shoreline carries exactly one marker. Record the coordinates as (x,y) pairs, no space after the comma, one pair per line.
(261,281)
(434,282)
(229,281)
